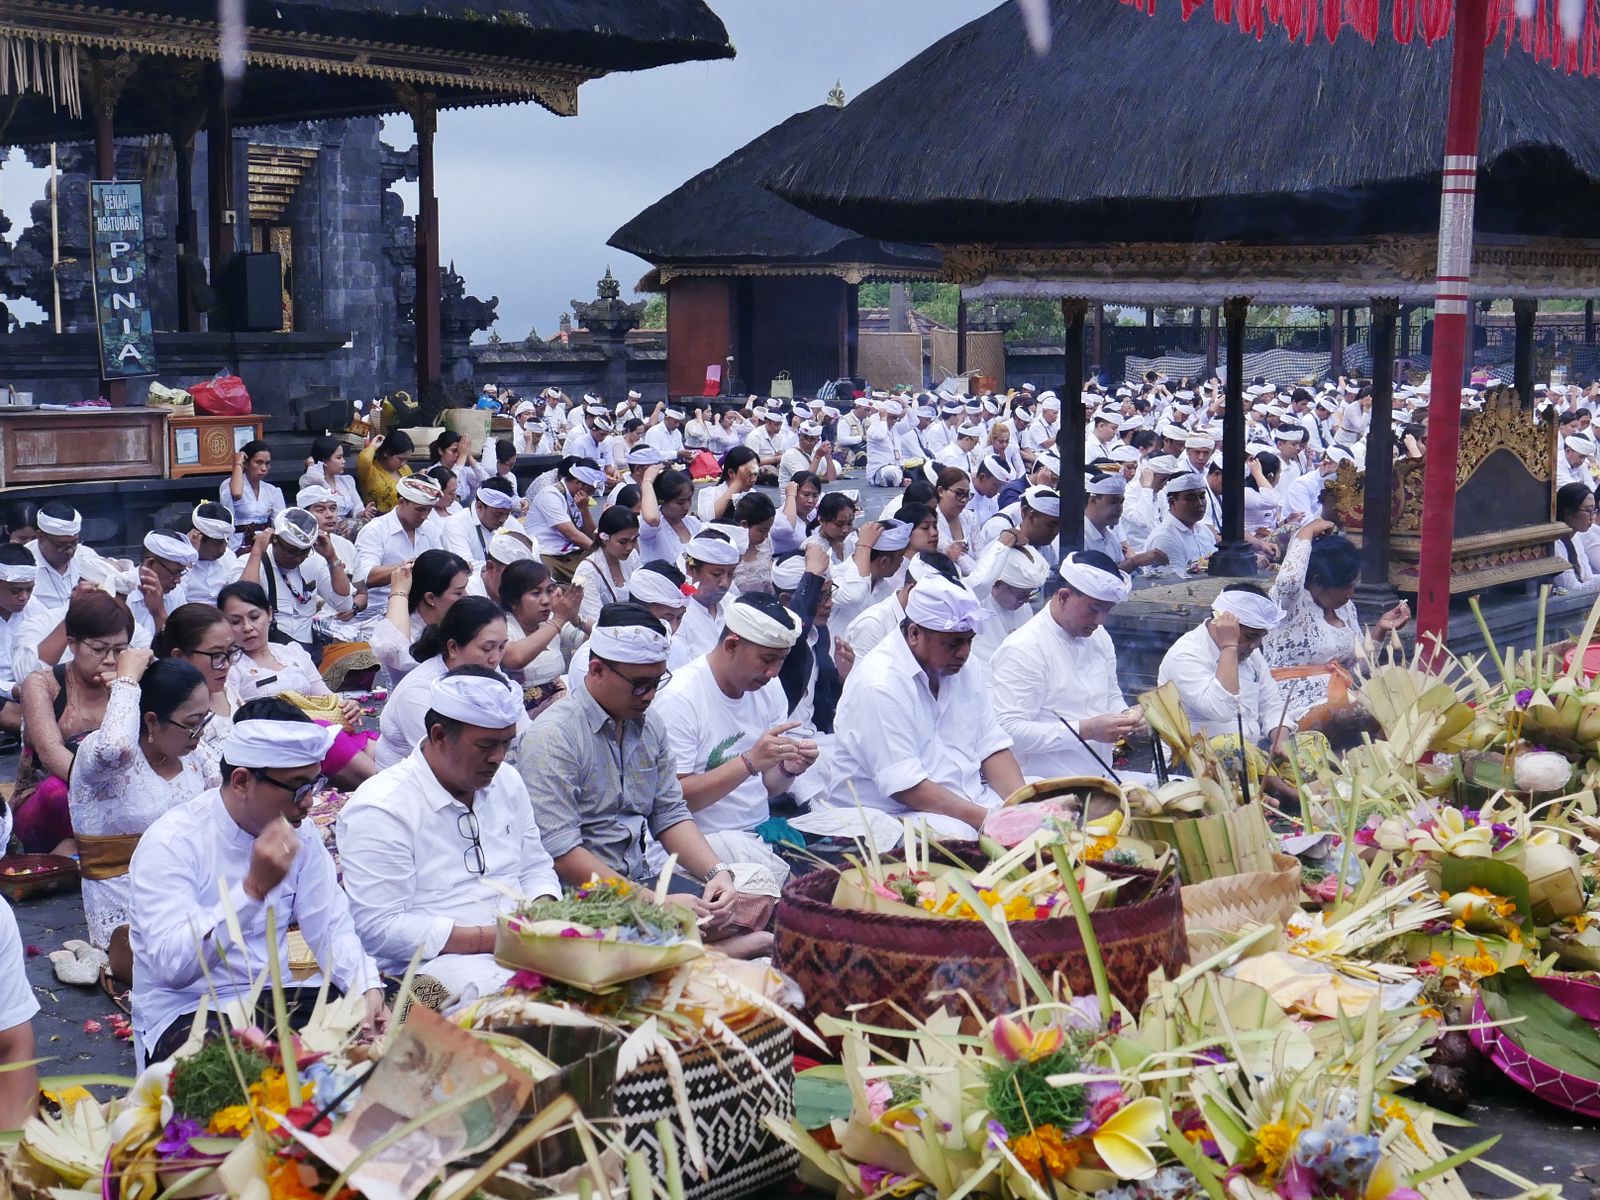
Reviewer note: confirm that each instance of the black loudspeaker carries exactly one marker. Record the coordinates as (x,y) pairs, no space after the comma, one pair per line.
(252,293)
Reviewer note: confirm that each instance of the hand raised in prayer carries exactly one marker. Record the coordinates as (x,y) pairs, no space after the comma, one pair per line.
(375,1018)
(1225,630)
(844,656)
(134,661)
(150,589)
(869,534)
(324,546)
(271,856)
(652,471)
(816,557)
(568,601)
(772,747)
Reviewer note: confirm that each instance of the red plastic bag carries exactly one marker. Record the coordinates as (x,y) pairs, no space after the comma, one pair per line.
(223,396)
(704,465)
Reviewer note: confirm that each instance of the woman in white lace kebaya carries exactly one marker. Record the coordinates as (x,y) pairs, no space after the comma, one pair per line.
(141,762)
(1315,588)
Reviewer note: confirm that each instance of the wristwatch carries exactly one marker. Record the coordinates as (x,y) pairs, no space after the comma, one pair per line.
(717,870)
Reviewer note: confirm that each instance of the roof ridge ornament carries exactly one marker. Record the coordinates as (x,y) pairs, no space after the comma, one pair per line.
(836,94)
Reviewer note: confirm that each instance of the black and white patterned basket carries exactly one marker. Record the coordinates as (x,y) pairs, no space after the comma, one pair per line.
(729,1099)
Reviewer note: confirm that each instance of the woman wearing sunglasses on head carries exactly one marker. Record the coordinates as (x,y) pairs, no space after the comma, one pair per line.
(142,761)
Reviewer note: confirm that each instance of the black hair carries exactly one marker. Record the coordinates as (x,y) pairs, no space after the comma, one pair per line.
(918,491)
(324,448)
(505,451)
(628,612)
(1570,498)
(497,484)
(913,514)
(629,496)
(948,478)
(14,554)
(440,474)
(668,571)
(736,458)
(1334,562)
(520,578)
(1253,588)
(1143,439)
(830,506)
(753,508)
(96,614)
(185,625)
(941,563)
(396,441)
(669,484)
(432,572)
(1094,558)
(767,605)
(615,520)
(245,592)
(462,621)
(254,447)
(631,424)
(573,460)
(167,683)
(443,442)
(1270,466)
(801,478)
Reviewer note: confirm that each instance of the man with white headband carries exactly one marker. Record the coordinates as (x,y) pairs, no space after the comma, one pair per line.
(396,537)
(432,845)
(811,452)
(659,586)
(60,558)
(667,436)
(1304,496)
(296,565)
(993,473)
(883,446)
(18,570)
(850,434)
(216,566)
(766,440)
(156,589)
(880,620)
(962,451)
(1102,516)
(1181,542)
(726,718)
(1221,674)
(1035,517)
(507,546)
(1008,577)
(916,734)
(323,504)
(872,572)
(467,533)
(250,835)
(604,784)
(709,560)
(1058,674)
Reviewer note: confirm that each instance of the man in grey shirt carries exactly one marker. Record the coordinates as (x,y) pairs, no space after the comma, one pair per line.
(600,776)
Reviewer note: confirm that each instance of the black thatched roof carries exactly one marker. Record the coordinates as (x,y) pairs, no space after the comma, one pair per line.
(724,215)
(1132,127)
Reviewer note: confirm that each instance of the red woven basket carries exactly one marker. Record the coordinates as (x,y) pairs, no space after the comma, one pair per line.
(842,958)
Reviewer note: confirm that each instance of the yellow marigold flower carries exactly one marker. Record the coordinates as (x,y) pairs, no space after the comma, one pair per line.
(1396,1111)
(271,1091)
(286,1180)
(1046,1150)
(231,1120)
(1274,1140)
(1099,848)
(1480,964)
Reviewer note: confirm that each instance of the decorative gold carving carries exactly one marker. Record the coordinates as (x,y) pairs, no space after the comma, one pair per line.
(552,85)
(1502,424)
(854,272)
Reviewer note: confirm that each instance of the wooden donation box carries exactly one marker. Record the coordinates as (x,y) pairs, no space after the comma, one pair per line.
(207,445)
(1505,524)
(86,444)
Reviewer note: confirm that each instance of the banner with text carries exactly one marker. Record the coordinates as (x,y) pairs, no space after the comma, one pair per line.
(121,280)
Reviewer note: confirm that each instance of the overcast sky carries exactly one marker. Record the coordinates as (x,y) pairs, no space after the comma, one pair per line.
(527,199)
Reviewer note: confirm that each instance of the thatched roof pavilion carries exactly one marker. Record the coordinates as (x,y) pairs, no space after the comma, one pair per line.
(752,277)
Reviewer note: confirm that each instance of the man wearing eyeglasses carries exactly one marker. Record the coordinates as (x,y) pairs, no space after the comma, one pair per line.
(297,565)
(252,835)
(60,558)
(432,846)
(157,588)
(604,783)
(1058,673)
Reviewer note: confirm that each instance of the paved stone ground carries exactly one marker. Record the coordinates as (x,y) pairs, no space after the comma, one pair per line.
(1544,1144)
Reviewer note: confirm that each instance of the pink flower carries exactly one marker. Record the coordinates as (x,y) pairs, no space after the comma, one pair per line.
(92,1026)
(879,1097)
(888,893)
(526,981)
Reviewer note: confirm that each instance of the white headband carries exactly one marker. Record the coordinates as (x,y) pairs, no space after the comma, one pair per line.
(1024,569)
(643,456)
(20,573)
(753,625)
(1106,485)
(896,535)
(1111,586)
(648,586)
(487,702)
(675,413)
(45,523)
(996,468)
(266,743)
(291,531)
(786,574)
(311,494)
(715,551)
(1043,500)
(591,477)
(169,547)
(494,498)
(1255,611)
(944,607)
(212,527)
(506,547)
(629,644)
(418,490)
(1187,482)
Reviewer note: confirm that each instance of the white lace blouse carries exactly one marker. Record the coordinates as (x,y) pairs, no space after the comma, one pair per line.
(1305,638)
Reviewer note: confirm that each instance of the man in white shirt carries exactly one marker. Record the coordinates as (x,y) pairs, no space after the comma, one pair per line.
(251,836)
(962,452)
(467,533)
(765,441)
(60,558)
(297,581)
(398,536)
(851,433)
(211,532)
(1036,516)
(709,560)
(884,617)
(1573,465)
(431,845)
(667,437)
(993,473)
(1102,515)
(811,454)
(1058,673)
(19,1080)
(1008,577)
(725,716)
(156,588)
(1182,539)
(1041,434)
(883,451)
(1305,496)
(916,734)
(1221,674)
(17,573)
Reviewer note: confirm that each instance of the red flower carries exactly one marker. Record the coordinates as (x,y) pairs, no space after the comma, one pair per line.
(300,1114)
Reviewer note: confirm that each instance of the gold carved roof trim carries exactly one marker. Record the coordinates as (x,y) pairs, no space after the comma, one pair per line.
(853,272)
(552,85)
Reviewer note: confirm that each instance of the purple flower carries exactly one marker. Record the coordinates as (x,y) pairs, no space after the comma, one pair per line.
(1523,696)
(175,1137)
(526,981)
(876,1179)
(997,1134)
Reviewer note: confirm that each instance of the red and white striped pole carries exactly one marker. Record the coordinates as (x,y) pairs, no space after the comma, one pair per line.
(1451,322)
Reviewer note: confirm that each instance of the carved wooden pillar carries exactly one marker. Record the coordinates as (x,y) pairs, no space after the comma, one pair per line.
(961,337)
(1379,474)
(425,117)
(1099,349)
(1525,313)
(1212,340)
(1235,555)
(1336,360)
(1072,432)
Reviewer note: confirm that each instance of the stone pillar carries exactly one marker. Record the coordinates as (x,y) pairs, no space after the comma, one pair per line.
(1378,480)
(425,118)
(1235,555)
(608,318)
(1336,360)
(1525,312)
(1071,435)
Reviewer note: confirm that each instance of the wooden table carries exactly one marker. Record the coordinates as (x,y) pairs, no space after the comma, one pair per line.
(81,445)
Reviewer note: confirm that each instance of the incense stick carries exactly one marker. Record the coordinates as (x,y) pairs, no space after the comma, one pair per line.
(1159,758)
(1244,758)
(1093,753)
